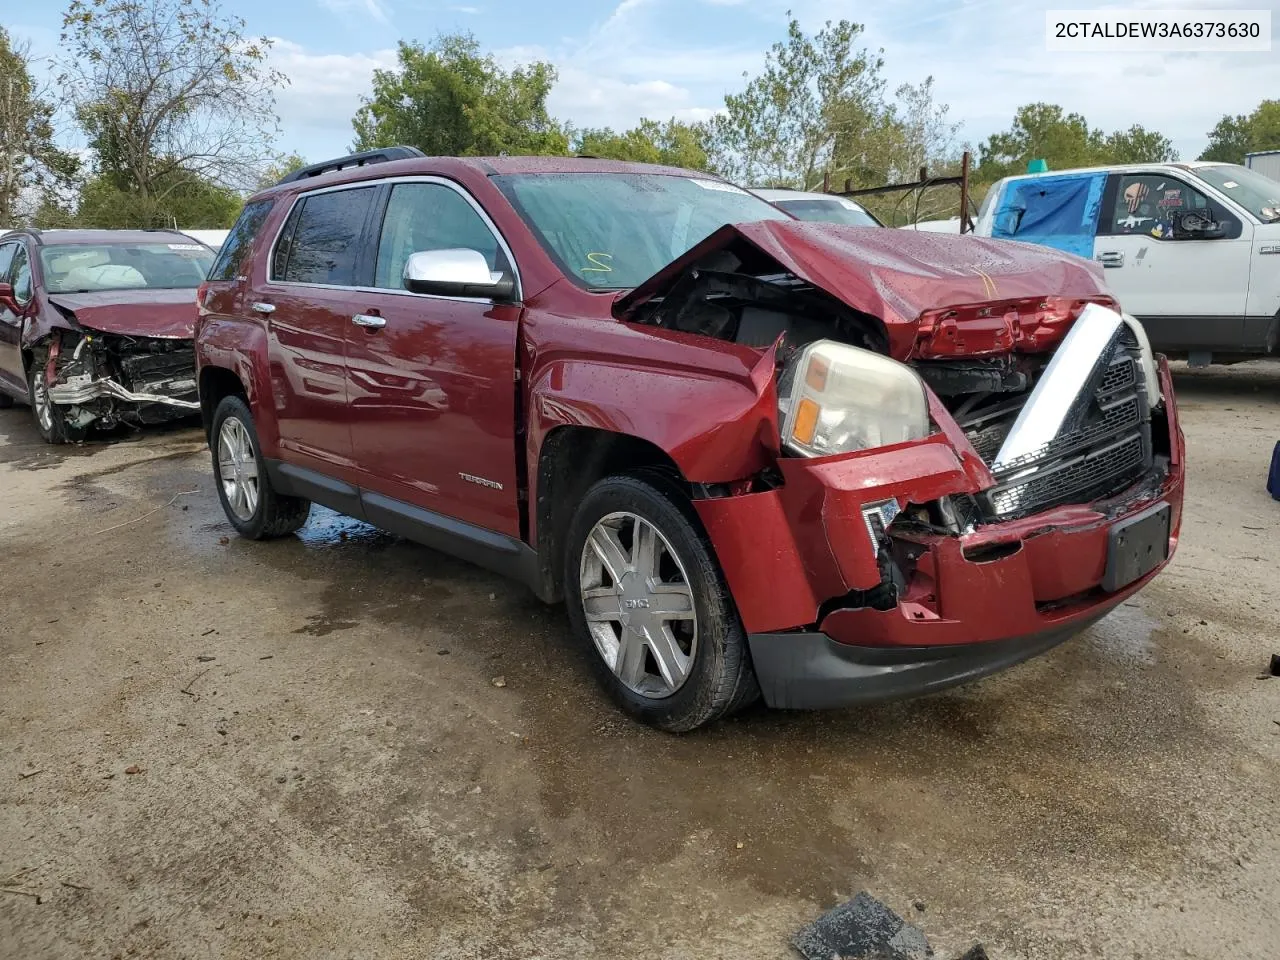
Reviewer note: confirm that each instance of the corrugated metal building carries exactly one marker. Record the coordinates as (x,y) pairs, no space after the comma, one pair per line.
(1266,163)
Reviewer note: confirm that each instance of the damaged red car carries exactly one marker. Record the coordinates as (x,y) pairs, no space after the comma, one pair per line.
(96,327)
(819,464)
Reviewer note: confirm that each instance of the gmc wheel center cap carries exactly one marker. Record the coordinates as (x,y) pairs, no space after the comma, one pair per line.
(633,600)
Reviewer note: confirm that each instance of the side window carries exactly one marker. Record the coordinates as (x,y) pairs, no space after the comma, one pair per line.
(236,247)
(325,244)
(280,259)
(430,216)
(7,250)
(1148,203)
(21,274)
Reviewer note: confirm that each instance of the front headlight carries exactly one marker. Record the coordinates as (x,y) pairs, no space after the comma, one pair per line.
(835,399)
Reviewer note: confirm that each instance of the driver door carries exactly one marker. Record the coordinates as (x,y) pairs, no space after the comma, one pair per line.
(1190,294)
(14,269)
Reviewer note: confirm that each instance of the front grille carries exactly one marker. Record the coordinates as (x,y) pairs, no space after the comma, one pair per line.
(1105,446)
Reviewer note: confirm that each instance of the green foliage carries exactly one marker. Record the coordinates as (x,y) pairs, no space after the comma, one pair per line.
(451,100)
(31,165)
(1233,137)
(673,143)
(166,88)
(189,203)
(278,169)
(1065,140)
(811,106)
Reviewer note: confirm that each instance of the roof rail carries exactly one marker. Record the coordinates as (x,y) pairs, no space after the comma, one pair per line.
(364,158)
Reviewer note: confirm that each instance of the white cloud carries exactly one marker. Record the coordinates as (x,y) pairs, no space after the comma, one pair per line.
(375,9)
(324,92)
(467,10)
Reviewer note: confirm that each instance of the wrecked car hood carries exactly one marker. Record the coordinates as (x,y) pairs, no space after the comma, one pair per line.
(168,314)
(895,275)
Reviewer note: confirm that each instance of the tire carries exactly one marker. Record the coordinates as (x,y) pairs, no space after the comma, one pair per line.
(707,674)
(49,417)
(6,401)
(252,505)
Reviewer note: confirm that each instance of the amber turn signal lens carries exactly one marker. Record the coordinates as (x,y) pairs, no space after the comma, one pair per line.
(806,421)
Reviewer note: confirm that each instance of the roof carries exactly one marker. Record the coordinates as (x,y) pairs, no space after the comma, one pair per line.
(1262,153)
(774,194)
(484,166)
(1121,168)
(103,236)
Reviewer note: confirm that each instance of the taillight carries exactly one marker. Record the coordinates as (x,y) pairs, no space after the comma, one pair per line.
(201,292)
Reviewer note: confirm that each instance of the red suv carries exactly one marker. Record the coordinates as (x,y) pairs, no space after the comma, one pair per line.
(827,464)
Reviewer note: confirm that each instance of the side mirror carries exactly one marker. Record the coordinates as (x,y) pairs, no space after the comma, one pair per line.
(1194,225)
(457,272)
(6,297)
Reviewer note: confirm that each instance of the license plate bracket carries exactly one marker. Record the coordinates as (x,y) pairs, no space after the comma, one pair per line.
(1136,546)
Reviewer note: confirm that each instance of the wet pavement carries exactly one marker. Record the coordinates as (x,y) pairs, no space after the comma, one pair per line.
(325,767)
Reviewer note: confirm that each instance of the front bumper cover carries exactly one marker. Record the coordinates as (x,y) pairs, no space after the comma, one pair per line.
(810,671)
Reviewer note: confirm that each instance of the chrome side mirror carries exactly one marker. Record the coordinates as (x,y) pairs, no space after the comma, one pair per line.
(457,272)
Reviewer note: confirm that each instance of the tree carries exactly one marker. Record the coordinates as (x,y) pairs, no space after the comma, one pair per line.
(1138,145)
(673,143)
(189,203)
(1233,137)
(451,100)
(1040,131)
(33,170)
(815,99)
(164,89)
(279,168)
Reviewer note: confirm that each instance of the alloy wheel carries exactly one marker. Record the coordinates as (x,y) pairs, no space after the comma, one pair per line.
(238,468)
(638,605)
(41,402)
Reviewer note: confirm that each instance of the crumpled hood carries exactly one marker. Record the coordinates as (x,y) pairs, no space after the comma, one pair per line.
(167,314)
(895,275)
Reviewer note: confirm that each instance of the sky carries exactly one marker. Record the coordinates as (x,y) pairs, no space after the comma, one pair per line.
(620,60)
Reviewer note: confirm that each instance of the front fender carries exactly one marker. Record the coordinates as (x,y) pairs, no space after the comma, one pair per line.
(242,349)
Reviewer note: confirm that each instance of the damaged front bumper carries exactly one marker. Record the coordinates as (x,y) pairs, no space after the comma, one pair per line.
(109,379)
(829,627)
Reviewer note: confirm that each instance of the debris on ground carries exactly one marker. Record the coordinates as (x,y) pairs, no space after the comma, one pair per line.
(861,927)
(865,929)
(499,681)
(134,768)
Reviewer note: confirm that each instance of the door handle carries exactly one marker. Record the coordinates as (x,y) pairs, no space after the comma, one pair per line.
(266,309)
(1111,258)
(369,322)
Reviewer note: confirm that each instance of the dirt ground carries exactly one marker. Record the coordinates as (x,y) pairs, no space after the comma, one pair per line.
(217,748)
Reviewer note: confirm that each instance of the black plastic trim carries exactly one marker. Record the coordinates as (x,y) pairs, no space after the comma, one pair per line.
(362,159)
(810,671)
(295,481)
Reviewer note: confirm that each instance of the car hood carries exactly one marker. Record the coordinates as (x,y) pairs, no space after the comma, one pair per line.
(168,314)
(895,275)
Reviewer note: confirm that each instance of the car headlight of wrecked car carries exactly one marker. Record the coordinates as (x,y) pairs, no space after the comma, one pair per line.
(835,398)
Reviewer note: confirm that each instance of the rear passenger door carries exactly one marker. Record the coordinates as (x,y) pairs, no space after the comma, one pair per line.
(432,392)
(307,301)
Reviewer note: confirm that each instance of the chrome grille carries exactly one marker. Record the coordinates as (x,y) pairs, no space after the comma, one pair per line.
(1105,449)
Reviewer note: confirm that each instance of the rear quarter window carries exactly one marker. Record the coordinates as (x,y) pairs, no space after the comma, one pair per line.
(240,240)
(323,238)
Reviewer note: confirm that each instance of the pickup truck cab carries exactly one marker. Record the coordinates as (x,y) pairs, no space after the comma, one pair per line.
(1191,249)
(753,456)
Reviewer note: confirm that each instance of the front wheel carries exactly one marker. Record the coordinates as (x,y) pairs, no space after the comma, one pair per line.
(645,595)
(252,505)
(50,418)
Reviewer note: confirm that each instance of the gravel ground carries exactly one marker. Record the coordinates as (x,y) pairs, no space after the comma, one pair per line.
(216,748)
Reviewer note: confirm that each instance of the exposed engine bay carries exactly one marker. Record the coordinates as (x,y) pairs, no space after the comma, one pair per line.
(1102,441)
(106,379)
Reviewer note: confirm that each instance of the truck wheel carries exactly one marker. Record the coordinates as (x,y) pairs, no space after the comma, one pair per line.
(50,418)
(645,595)
(248,499)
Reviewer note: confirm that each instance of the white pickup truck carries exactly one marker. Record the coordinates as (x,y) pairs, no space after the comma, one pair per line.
(1191,249)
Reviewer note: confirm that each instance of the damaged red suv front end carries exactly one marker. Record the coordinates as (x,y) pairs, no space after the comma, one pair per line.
(1044,490)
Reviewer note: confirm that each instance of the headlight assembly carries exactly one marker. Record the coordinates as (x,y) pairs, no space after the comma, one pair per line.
(835,398)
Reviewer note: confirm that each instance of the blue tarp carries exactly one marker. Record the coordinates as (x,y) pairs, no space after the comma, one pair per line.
(1060,212)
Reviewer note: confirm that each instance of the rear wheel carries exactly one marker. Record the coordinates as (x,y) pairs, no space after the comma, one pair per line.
(254,508)
(50,418)
(645,595)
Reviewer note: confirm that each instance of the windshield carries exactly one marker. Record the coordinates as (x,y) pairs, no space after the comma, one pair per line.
(1258,194)
(90,267)
(615,230)
(829,211)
